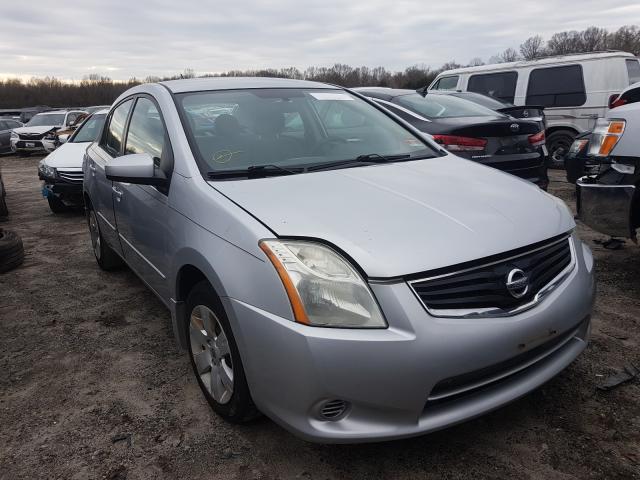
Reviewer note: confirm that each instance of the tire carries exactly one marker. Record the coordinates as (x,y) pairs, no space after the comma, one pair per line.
(106,258)
(56,205)
(11,251)
(208,331)
(559,143)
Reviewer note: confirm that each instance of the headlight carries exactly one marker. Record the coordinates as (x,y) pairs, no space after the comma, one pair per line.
(50,136)
(605,136)
(15,136)
(46,170)
(323,288)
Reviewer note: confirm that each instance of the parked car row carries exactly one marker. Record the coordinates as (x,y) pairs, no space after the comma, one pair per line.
(575,90)
(310,242)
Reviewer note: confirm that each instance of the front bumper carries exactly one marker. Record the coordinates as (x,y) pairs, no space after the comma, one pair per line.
(20,145)
(68,193)
(388,377)
(605,202)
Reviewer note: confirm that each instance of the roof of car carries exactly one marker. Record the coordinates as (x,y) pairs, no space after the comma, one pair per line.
(232,83)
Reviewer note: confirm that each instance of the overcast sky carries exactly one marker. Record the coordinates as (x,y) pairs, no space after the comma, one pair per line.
(124,38)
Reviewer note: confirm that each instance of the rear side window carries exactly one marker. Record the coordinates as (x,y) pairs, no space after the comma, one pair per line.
(146,131)
(633,69)
(496,85)
(114,133)
(557,87)
(446,83)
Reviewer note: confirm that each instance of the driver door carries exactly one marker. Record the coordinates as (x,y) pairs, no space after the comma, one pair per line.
(142,211)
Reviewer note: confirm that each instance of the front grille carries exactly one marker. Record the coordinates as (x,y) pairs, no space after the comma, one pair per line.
(483,284)
(31,136)
(72,176)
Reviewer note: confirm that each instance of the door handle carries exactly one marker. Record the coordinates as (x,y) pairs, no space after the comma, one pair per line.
(92,167)
(117,192)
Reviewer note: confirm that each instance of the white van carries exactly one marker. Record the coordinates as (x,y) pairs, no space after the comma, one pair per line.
(574,89)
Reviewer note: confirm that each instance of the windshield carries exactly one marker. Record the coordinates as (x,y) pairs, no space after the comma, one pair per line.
(89,130)
(237,129)
(46,120)
(443,106)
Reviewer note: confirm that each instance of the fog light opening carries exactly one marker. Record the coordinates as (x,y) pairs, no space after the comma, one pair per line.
(333,410)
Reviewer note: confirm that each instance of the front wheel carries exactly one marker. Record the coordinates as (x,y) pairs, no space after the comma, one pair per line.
(215,357)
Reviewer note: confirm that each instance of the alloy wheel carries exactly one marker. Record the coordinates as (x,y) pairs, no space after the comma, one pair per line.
(211,354)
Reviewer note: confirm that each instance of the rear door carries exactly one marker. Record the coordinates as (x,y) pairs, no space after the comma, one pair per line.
(142,211)
(111,145)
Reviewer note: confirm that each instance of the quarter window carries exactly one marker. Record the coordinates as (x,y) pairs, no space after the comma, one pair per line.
(446,83)
(115,131)
(557,87)
(146,132)
(496,85)
(633,69)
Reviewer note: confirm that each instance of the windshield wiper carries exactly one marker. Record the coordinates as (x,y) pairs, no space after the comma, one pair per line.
(255,171)
(369,159)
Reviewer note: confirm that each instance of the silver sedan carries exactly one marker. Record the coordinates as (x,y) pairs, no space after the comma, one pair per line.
(330,266)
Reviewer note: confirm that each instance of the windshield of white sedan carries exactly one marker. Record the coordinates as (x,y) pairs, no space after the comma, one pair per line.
(443,106)
(283,129)
(50,119)
(89,130)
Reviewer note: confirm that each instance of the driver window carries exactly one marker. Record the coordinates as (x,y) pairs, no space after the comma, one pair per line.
(147,134)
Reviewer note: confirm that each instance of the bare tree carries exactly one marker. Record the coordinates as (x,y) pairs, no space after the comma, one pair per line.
(594,39)
(626,38)
(475,62)
(532,48)
(509,55)
(565,42)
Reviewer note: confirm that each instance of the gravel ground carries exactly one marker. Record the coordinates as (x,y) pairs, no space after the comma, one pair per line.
(93,386)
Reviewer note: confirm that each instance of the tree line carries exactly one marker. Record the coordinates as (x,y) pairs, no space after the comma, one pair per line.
(100,90)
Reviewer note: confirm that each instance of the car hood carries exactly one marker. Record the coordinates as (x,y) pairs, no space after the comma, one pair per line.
(40,129)
(67,155)
(405,218)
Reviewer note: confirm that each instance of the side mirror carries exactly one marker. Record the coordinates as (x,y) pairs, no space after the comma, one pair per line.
(138,168)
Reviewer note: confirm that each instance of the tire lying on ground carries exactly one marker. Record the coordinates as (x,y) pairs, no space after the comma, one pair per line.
(11,250)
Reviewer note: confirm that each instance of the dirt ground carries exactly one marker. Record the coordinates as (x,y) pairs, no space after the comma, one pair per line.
(93,386)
